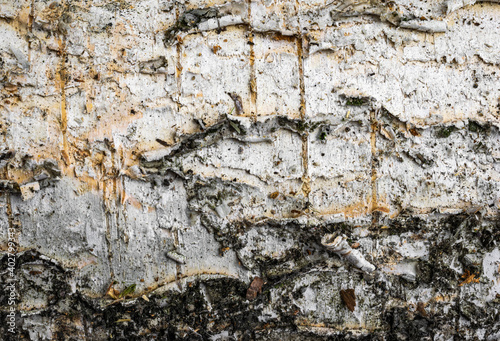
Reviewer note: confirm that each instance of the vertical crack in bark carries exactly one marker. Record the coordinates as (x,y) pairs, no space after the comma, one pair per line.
(300,54)
(178,66)
(178,76)
(178,272)
(121,193)
(306,180)
(10,216)
(62,75)
(106,192)
(373,165)
(31,19)
(253,81)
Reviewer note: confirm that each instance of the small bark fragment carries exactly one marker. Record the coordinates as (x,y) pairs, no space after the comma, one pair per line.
(255,288)
(349,298)
(28,190)
(421,309)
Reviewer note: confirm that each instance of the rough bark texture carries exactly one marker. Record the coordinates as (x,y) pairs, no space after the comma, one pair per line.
(183,170)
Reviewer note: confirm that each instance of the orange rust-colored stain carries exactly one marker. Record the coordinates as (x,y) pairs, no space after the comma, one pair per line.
(65,157)
(443,298)
(414,132)
(216,48)
(274,195)
(20,175)
(61,79)
(178,70)
(381,209)
(350,211)
(276,36)
(468,278)
(132,201)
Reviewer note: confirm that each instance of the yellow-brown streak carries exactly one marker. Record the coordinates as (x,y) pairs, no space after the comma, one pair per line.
(355,209)
(31,18)
(306,180)
(253,80)
(61,78)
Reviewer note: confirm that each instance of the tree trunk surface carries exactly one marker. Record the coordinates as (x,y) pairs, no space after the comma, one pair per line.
(250,170)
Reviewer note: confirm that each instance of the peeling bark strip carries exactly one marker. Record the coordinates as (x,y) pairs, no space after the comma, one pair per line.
(185,170)
(341,248)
